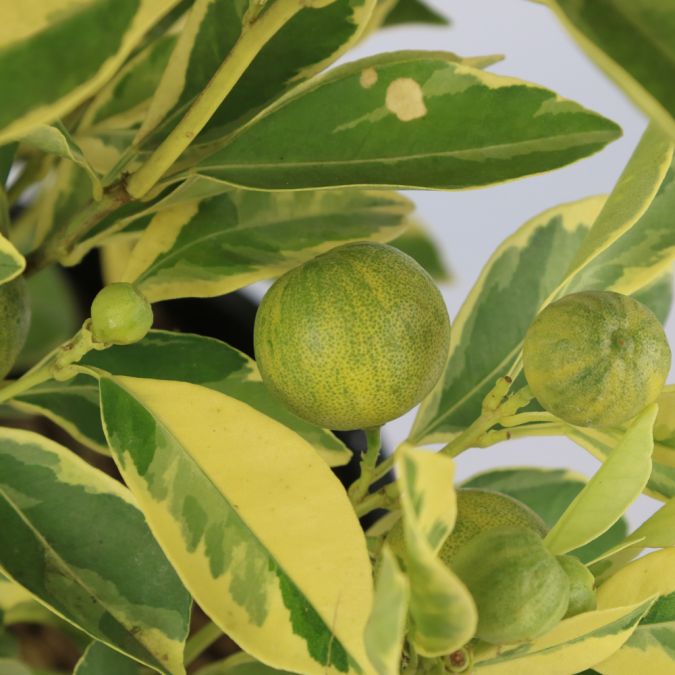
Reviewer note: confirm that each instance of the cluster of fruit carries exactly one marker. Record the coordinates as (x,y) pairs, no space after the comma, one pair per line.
(521,590)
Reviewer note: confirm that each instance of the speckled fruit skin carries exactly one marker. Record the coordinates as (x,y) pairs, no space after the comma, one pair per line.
(353,338)
(582,595)
(519,588)
(14,322)
(120,315)
(477,511)
(596,358)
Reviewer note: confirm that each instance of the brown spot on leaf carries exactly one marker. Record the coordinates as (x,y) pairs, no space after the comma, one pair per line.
(405,99)
(368,78)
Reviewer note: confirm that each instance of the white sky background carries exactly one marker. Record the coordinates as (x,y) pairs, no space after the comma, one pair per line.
(469,225)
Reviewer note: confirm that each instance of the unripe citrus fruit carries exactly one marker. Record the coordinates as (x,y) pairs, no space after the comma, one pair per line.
(477,511)
(582,595)
(518,586)
(120,315)
(353,338)
(14,322)
(596,358)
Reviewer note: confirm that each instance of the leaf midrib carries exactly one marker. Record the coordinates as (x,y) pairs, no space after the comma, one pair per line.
(469,153)
(70,573)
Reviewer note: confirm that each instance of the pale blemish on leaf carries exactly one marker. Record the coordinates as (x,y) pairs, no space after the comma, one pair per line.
(368,77)
(405,99)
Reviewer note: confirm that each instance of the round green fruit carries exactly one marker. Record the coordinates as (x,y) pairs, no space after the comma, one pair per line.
(15,322)
(353,338)
(120,315)
(596,358)
(582,595)
(519,588)
(477,511)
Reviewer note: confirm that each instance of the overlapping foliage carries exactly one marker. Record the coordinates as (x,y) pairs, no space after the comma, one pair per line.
(210,143)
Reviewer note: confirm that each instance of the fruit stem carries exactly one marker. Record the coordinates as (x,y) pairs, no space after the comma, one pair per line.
(56,365)
(384,498)
(497,406)
(201,641)
(500,435)
(253,37)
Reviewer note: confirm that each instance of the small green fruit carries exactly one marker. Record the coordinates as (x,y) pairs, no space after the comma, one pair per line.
(582,595)
(120,315)
(518,586)
(14,322)
(353,338)
(477,511)
(596,358)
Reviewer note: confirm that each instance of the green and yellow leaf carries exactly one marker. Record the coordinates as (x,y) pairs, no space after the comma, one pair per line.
(607,495)
(652,644)
(488,331)
(124,101)
(213,27)
(574,645)
(255,523)
(408,119)
(12,263)
(534,265)
(634,43)
(63,522)
(90,39)
(442,610)
(162,355)
(55,139)
(386,626)
(217,245)
(658,531)
(632,195)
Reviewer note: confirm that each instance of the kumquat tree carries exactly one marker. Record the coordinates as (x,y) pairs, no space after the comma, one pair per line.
(163,492)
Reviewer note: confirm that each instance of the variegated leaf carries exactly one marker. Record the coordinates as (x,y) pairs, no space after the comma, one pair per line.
(634,43)
(443,612)
(574,645)
(652,644)
(658,531)
(613,488)
(488,331)
(548,492)
(88,39)
(259,529)
(63,522)
(633,193)
(385,631)
(55,139)
(12,263)
(217,245)
(73,405)
(534,266)
(601,443)
(417,119)
(124,101)
(213,27)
